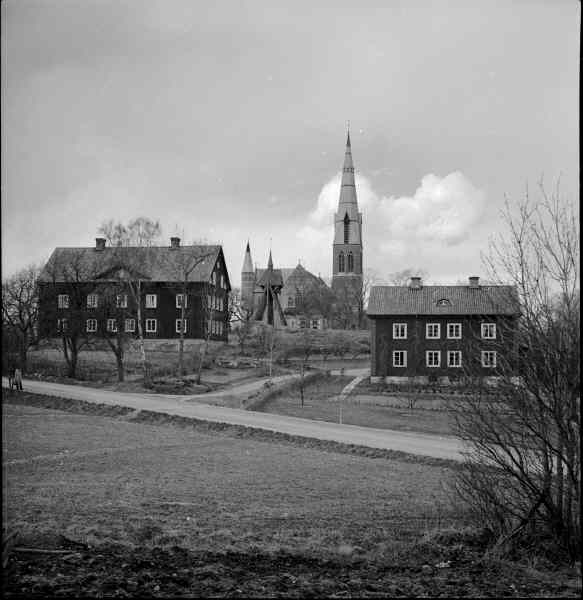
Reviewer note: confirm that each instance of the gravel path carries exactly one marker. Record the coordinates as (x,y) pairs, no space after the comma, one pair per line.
(415,443)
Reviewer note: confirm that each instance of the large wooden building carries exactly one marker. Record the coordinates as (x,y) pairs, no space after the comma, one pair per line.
(95,291)
(442,333)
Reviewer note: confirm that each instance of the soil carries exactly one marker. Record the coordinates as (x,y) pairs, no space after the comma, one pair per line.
(122,571)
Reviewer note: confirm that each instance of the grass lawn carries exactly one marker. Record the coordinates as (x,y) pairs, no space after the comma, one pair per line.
(320,404)
(165,511)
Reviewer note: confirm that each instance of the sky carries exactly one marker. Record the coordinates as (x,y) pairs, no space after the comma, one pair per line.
(226,120)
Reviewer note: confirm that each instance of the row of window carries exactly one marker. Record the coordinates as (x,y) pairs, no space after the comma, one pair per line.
(121,301)
(342,263)
(217,327)
(454,358)
(454,331)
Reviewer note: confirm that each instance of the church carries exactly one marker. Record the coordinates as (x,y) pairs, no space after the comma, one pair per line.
(295,298)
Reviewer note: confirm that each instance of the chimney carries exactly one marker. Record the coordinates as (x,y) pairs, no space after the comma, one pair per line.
(99,244)
(416,283)
(174,242)
(474,282)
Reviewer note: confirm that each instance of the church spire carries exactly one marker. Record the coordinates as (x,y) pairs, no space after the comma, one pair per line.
(270,262)
(247,262)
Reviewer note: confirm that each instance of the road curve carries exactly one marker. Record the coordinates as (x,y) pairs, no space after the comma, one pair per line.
(446,447)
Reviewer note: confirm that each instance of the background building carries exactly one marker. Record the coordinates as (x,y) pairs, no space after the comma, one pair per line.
(92,291)
(446,332)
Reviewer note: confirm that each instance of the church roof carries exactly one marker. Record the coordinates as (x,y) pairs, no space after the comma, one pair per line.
(443,300)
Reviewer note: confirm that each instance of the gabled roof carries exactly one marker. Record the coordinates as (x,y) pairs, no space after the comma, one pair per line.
(456,300)
(284,273)
(299,276)
(155,263)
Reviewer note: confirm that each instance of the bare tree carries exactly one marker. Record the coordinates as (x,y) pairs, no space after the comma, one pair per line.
(522,471)
(402,277)
(132,244)
(241,320)
(185,261)
(66,281)
(20,310)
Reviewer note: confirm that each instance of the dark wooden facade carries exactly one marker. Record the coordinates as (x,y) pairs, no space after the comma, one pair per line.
(206,307)
(473,330)
(471,344)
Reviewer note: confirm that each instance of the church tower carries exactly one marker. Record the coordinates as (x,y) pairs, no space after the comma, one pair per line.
(247,281)
(347,246)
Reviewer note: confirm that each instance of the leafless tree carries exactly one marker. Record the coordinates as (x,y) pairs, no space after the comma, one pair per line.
(132,243)
(67,279)
(402,277)
(241,320)
(522,470)
(20,310)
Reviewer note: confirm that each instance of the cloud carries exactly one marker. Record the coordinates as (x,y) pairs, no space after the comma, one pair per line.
(433,221)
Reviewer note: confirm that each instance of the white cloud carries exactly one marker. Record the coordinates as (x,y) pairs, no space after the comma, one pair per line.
(404,230)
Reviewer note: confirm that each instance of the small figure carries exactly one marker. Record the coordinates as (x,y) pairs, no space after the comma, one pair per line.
(11,374)
(18,379)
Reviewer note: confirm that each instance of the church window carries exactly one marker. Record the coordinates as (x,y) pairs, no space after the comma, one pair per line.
(350,262)
(341,265)
(291,301)
(346,228)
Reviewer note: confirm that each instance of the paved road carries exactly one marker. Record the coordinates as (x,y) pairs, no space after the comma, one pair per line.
(414,443)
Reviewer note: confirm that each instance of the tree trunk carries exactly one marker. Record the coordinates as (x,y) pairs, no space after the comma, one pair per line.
(23,353)
(181,340)
(141,345)
(120,369)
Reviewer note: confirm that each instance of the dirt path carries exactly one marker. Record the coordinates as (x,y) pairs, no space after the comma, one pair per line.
(414,443)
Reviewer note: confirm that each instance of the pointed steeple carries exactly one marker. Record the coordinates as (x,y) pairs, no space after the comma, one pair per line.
(247,262)
(348,195)
(270,262)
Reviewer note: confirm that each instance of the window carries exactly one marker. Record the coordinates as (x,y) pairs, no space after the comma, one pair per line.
(151,300)
(63,301)
(488,358)
(315,324)
(454,331)
(399,331)
(399,358)
(302,323)
(111,325)
(346,228)
(291,301)
(341,265)
(180,325)
(91,325)
(350,262)
(489,331)
(433,358)
(150,325)
(130,325)
(454,358)
(181,298)
(62,325)
(92,301)
(213,278)
(209,300)
(432,331)
(121,301)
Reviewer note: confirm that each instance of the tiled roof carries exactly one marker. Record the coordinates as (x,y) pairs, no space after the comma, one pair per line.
(461,300)
(285,272)
(155,263)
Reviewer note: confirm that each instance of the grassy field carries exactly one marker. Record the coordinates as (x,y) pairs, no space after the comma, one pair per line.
(320,403)
(165,511)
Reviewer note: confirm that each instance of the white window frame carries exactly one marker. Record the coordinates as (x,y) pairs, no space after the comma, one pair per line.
(121,301)
(111,325)
(487,363)
(398,329)
(179,298)
(149,329)
(93,327)
(431,326)
(132,325)
(486,331)
(177,325)
(151,300)
(291,302)
(404,357)
(62,325)
(433,353)
(63,301)
(92,300)
(451,336)
(452,353)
